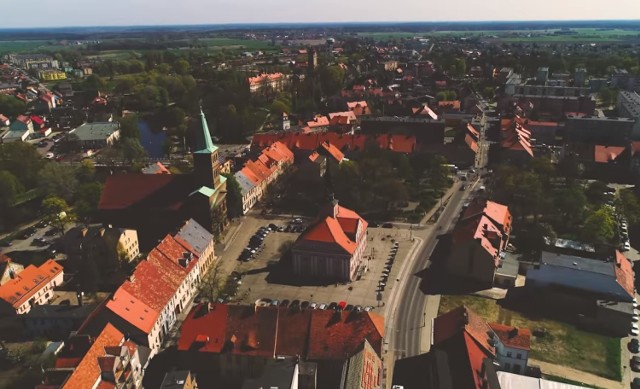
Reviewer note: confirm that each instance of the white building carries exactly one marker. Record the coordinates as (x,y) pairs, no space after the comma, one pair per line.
(32,286)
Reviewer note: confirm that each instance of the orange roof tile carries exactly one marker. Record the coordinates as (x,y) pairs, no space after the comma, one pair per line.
(87,373)
(204,329)
(28,282)
(318,121)
(624,273)
(133,310)
(605,154)
(472,143)
(328,230)
(512,336)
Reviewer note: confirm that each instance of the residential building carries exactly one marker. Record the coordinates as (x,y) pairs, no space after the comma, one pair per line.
(4,121)
(512,346)
(155,168)
(580,77)
(425,130)
(542,76)
(179,379)
(359,108)
(109,247)
(319,123)
(154,204)
(32,286)
(8,269)
(332,247)
(19,130)
(106,361)
(281,372)
(256,175)
(363,370)
(161,287)
(515,146)
(342,121)
(304,145)
(461,355)
(542,132)
(607,278)
(478,240)
(97,135)
(221,341)
(600,130)
(52,75)
(271,82)
(628,104)
(55,322)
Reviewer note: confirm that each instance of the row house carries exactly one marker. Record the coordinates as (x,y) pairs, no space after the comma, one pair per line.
(160,288)
(107,361)
(31,286)
(220,341)
(478,241)
(258,174)
(275,82)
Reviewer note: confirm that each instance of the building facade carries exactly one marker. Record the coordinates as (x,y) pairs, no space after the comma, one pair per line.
(32,286)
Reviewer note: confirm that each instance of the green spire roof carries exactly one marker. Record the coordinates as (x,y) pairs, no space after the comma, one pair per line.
(208,144)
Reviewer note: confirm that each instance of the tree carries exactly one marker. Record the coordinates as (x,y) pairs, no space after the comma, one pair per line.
(211,284)
(571,203)
(600,226)
(331,79)
(181,67)
(59,180)
(132,150)
(70,144)
(129,127)
(87,199)
(630,204)
(23,161)
(58,213)
(94,83)
(11,106)
(532,240)
(234,196)
(10,188)
(85,173)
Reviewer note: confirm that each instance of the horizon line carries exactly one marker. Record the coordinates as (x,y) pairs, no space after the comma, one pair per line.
(327,23)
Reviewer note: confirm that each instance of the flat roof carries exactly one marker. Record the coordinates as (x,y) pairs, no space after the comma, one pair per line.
(578,263)
(618,306)
(95,131)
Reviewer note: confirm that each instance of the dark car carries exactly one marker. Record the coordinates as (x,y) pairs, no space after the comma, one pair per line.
(635,384)
(333,306)
(42,143)
(634,345)
(304,305)
(349,307)
(42,224)
(374,224)
(635,367)
(273,226)
(294,304)
(387,225)
(284,303)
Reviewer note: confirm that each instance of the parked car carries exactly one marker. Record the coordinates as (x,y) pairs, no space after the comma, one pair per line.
(387,225)
(634,332)
(322,306)
(333,306)
(313,306)
(635,384)
(284,303)
(634,345)
(626,246)
(294,304)
(304,305)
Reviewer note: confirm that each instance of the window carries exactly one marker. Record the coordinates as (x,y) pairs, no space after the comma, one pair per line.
(509,354)
(519,356)
(507,366)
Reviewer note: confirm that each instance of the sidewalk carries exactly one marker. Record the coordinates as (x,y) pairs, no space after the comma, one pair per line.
(575,375)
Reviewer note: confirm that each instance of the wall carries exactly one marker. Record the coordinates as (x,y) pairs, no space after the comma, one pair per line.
(483,265)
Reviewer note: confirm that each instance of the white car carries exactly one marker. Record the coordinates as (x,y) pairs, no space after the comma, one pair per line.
(313,306)
(635,318)
(634,332)
(626,246)
(634,326)
(322,306)
(50,156)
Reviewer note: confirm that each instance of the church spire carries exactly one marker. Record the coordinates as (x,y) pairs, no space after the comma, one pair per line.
(208,144)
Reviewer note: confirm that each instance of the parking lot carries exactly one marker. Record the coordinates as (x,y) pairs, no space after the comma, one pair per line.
(263,276)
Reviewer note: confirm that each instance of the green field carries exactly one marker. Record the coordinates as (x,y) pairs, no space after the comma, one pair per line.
(19,46)
(563,344)
(389,35)
(248,44)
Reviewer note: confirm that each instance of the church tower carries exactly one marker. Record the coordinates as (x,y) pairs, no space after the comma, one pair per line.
(205,160)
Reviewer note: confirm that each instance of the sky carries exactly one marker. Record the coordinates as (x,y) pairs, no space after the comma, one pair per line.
(62,13)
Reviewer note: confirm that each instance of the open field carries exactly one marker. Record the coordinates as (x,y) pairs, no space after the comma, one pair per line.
(20,46)
(563,344)
(248,44)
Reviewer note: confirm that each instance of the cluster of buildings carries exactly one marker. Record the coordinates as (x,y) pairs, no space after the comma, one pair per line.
(256,175)
(268,82)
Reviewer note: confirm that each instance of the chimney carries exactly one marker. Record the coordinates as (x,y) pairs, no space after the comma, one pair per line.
(132,277)
(84,232)
(101,232)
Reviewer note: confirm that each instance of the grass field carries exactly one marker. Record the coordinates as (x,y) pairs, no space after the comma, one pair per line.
(389,35)
(237,43)
(563,344)
(19,46)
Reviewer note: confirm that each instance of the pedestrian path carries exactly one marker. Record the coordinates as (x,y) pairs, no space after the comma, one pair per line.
(575,375)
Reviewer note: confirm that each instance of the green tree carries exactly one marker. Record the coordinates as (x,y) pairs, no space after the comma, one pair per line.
(181,67)
(600,226)
(58,213)
(86,172)
(132,150)
(571,203)
(87,199)
(95,83)
(234,196)
(10,188)
(23,161)
(129,127)
(630,204)
(11,106)
(59,180)
(331,79)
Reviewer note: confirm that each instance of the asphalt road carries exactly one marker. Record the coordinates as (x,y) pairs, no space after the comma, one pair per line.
(410,316)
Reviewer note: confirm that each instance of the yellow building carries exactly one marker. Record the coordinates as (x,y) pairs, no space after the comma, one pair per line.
(52,75)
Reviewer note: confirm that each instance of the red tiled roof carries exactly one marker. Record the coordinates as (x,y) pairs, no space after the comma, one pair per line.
(328,230)
(204,330)
(260,78)
(517,138)
(312,141)
(462,320)
(251,330)
(133,310)
(87,373)
(339,334)
(453,104)
(293,331)
(318,121)
(426,111)
(624,273)
(605,154)
(161,191)
(512,336)
(28,282)
(473,131)
(472,143)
